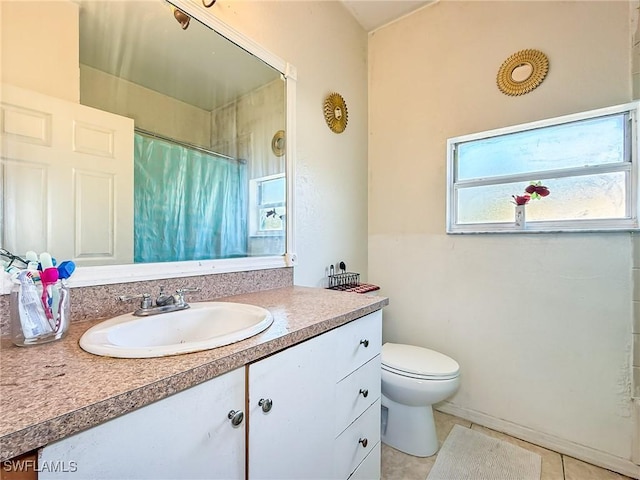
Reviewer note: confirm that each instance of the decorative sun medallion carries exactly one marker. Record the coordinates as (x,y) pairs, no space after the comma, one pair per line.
(522,72)
(278,143)
(335,113)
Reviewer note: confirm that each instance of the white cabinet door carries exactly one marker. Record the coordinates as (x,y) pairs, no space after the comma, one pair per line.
(294,438)
(187,435)
(67,173)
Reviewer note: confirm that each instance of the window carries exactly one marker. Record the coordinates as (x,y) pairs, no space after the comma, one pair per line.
(588,161)
(268,203)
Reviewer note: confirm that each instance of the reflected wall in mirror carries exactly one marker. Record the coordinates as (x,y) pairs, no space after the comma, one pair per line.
(160,153)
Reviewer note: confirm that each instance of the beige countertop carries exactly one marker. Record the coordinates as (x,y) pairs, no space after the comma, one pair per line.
(51,391)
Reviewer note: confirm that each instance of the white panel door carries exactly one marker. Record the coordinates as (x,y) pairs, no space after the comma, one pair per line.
(67,177)
(294,439)
(184,436)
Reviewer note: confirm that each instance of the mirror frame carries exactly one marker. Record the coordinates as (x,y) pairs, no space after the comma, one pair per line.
(111,274)
(539,64)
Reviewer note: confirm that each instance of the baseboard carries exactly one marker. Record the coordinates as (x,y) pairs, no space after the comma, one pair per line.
(566,447)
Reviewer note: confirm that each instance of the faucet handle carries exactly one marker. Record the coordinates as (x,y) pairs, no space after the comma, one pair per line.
(145,303)
(179,296)
(188,289)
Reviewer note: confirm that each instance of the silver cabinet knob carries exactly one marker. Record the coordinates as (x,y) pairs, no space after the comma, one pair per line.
(266,404)
(236,417)
(365,343)
(364,392)
(364,442)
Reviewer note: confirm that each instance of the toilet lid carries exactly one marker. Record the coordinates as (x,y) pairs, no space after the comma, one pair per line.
(418,361)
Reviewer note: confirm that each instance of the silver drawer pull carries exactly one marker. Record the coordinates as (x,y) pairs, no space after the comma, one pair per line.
(236,417)
(365,343)
(266,404)
(364,392)
(364,442)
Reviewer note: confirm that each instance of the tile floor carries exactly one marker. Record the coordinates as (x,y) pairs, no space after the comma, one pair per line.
(555,466)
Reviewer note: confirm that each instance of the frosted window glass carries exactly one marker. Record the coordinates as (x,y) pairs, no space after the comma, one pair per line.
(584,143)
(573,198)
(586,160)
(272,191)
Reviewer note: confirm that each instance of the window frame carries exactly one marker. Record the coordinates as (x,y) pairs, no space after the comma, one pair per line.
(255,206)
(629,223)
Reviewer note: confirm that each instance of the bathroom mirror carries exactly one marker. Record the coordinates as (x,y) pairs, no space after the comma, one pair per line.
(203,103)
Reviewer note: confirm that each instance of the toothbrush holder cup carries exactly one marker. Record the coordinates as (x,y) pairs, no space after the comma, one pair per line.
(39,313)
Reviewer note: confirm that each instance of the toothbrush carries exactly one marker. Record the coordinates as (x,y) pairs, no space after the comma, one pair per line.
(65,269)
(45,261)
(32,262)
(48,277)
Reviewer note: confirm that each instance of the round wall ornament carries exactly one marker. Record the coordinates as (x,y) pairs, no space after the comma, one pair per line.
(278,143)
(335,113)
(522,72)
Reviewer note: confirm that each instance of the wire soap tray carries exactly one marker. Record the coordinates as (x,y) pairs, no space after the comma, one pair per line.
(344,281)
(348,281)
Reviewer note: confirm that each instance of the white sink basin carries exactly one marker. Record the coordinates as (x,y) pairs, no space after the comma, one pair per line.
(204,326)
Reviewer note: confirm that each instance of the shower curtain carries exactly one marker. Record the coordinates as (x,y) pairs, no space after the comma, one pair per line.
(188,205)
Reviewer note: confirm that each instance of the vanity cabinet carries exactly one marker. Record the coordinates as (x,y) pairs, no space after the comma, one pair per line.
(186,435)
(311,411)
(314,409)
(291,436)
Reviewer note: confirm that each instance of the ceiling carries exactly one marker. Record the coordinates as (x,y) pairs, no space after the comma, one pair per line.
(372,14)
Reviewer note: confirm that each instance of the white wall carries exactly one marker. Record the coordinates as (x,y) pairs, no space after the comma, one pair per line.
(152,111)
(540,324)
(57,73)
(329,50)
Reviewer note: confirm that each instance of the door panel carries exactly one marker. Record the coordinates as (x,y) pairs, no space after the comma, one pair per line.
(83,190)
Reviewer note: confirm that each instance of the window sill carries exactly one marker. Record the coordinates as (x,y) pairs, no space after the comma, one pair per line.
(586,226)
(267,235)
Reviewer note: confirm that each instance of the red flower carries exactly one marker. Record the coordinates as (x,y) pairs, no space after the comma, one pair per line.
(542,191)
(521,199)
(537,190)
(533,191)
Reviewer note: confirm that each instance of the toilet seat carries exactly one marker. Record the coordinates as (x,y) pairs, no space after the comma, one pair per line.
(418,362)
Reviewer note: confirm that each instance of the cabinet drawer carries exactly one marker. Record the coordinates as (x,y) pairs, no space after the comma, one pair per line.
(369,469)
(349,446)
(356,393)
(360,341)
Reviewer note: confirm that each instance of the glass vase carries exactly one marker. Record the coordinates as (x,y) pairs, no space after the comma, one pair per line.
(520,216)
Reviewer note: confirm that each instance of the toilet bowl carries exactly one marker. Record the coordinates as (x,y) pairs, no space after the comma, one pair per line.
(413,379)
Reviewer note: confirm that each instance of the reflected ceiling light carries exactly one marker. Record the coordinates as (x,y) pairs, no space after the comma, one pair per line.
(181,17)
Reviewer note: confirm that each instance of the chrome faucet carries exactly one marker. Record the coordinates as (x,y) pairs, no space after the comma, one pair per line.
(163,304)
(162,299)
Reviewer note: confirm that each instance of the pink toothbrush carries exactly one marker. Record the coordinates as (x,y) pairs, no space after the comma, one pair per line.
(49,276)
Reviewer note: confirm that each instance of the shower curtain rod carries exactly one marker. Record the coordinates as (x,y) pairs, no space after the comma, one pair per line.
(185,144)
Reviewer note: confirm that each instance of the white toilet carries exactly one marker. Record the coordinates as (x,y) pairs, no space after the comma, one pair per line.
(413,379)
